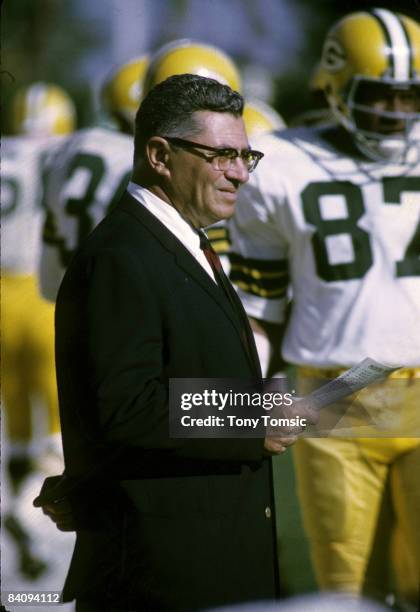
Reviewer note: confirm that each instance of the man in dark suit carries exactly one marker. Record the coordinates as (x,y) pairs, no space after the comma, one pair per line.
(163,523)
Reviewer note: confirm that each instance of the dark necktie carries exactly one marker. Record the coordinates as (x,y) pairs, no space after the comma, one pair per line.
(226,286)
(216,265)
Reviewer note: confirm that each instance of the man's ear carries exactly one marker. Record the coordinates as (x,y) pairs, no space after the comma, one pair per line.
(158,153)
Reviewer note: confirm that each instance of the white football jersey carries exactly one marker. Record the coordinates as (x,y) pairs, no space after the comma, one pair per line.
(22,162)
(84,181)
(339,233)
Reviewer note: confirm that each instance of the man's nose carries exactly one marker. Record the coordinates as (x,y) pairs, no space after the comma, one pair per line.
(238,170)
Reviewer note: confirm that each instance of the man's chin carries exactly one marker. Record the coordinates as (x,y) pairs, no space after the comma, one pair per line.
(228,212)
(223,212)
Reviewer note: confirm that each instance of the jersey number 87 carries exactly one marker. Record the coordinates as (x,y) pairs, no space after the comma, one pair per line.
(392,187)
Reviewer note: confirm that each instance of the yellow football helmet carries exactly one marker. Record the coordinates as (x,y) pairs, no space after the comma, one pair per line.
(42,109)
(188,56)
(260,117)
(123,89)
(371,55)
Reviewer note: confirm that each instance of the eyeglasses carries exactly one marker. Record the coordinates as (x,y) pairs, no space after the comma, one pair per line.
(222,158)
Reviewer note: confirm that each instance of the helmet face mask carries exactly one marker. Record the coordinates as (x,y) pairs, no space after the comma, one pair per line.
(370,74)
(383,116)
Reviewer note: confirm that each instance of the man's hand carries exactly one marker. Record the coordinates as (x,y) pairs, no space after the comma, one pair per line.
(277,445)
(59,512)
(54,504)
(280,436)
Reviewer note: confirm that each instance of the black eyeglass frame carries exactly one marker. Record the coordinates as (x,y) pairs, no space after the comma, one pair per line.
(229,152)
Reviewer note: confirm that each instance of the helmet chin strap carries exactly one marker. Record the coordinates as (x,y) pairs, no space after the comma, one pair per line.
(392,148)
(381,148)
(384,147)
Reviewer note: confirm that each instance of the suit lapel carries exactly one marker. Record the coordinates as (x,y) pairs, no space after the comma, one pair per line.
(187,262)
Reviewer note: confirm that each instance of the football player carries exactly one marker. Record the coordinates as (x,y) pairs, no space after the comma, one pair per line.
(88,174)
(41,115)
(332,216)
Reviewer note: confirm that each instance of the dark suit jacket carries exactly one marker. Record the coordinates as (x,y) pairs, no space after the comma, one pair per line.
(169,524)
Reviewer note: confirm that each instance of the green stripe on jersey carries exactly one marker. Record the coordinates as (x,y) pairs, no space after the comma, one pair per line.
(268,279)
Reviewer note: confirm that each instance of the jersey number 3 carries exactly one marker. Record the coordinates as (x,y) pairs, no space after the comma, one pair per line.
(362,260)
(80,207)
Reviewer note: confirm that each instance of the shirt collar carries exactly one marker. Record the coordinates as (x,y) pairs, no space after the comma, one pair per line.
(168,215)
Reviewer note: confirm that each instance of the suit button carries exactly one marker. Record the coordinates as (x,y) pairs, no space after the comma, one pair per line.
(267,512)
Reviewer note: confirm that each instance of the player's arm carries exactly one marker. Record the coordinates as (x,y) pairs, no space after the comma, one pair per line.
(259,267)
